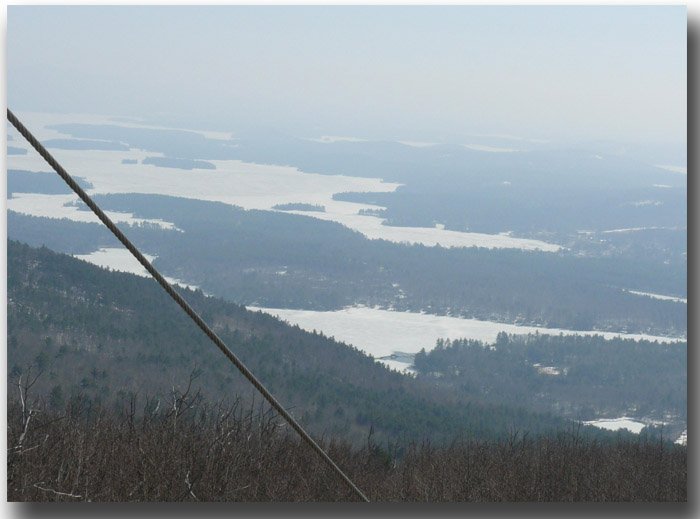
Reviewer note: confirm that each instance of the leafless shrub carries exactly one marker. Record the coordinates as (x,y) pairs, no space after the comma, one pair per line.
(219,452)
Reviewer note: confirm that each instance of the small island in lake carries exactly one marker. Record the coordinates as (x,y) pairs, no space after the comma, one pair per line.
(298,206)
(171,162)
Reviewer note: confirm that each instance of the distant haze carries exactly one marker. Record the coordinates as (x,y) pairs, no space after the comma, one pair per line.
(414,73)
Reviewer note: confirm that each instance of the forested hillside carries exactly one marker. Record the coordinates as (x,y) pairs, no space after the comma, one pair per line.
(581,377)
(108,336)
(290,261)
(450,241)
(115,396)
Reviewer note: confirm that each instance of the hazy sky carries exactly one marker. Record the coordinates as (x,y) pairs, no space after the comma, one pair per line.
(408,72)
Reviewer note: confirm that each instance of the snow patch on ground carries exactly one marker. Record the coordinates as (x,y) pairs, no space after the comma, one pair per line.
(547,370)
(683,438)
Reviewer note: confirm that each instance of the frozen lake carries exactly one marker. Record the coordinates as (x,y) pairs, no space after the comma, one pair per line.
(381,333)
(676,169)
(64,206)
(639,229)
(615,424)
(244,184)
(490,149)
(675,299)
(372,227)
(120,259)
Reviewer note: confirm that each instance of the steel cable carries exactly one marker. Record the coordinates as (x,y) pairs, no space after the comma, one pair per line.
(180,301)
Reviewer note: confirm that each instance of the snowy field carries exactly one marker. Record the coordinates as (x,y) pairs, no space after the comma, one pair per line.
(381,333)
(244,184)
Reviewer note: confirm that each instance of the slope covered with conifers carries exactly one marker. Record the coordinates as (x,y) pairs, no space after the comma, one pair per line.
(106,336)
(122,399)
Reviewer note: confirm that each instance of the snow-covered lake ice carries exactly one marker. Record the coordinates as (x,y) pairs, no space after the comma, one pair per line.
(372,227)
(331,139)
(120,259)
(66,206)
(489,149)
(381,333)
(639,229)
(675,169)
(417,144)
(244,184)
(675,299)
(615,424)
